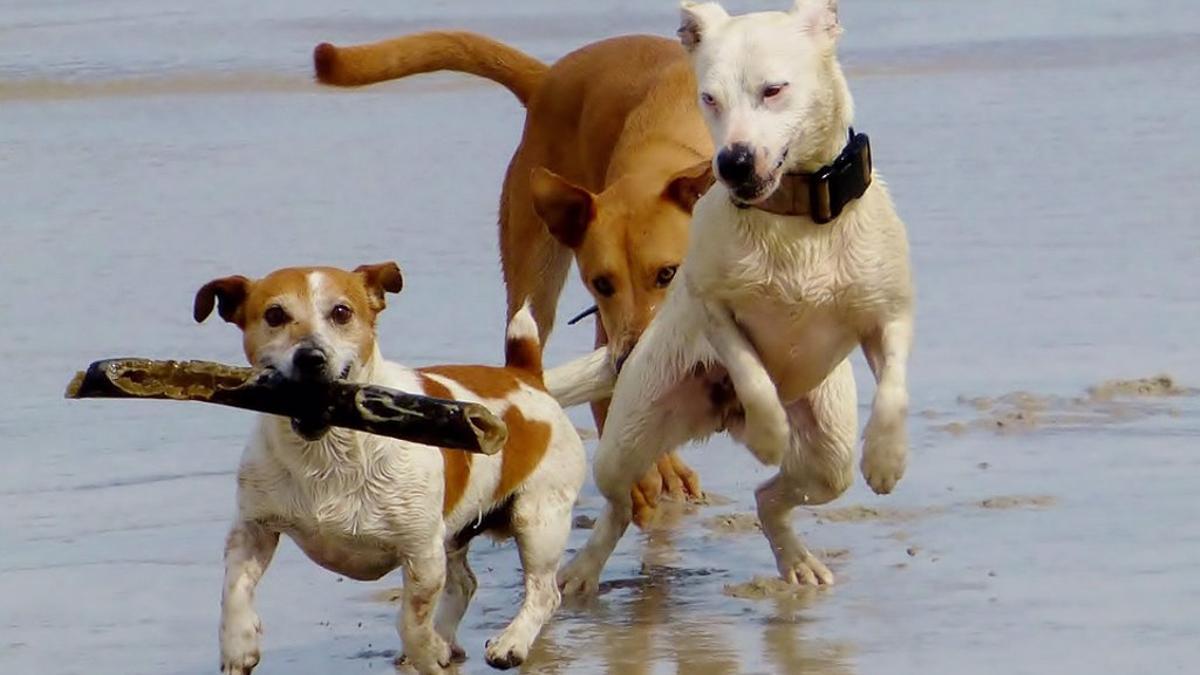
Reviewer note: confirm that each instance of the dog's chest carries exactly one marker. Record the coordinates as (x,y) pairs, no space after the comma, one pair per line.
(354,521)
(801,300)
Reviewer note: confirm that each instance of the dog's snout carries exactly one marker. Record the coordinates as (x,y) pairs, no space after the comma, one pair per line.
(310,361)
(735,164)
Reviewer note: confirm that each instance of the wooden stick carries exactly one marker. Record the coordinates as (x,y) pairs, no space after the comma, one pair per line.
(371,408)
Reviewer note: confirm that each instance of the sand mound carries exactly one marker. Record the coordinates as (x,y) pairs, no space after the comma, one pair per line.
(733,523)
(1157,386)
(1105,403)
(763,588)
(1019,502)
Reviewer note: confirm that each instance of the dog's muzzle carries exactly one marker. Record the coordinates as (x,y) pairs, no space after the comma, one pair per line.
(311,364)
(735,165)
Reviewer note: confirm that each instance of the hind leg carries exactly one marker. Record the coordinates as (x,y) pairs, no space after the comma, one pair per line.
(541,521)
(817,469)
(640,429)
(669,476)
(534,263)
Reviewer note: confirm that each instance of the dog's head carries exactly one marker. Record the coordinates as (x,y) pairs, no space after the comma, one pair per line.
(628,241)
(312,324)
(771,91)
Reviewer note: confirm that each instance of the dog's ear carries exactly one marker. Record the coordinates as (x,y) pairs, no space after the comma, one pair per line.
(379,279)
(697,20)
(566,208)
(228,294)
(818,16)
(689,185)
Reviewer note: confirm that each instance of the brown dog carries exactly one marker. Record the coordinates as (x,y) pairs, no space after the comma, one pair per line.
(613,157)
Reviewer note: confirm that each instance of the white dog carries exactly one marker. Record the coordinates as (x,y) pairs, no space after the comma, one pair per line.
(796,257)
(362,505)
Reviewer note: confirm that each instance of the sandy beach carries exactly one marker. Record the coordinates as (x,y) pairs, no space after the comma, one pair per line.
(1043,157)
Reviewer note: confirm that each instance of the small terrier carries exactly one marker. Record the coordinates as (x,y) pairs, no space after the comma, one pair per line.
(363,505)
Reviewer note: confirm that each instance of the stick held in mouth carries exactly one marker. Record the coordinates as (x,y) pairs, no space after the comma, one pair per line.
(374,409)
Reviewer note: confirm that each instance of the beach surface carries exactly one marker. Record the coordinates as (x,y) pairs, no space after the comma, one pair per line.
(1042,154)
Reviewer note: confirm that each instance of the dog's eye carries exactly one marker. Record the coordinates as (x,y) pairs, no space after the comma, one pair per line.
(773,90)
(341,315)
(665,275)
(708,100)
(603,286)
(275,316)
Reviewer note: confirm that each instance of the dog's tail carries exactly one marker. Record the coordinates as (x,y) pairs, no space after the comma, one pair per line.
(586,379)
(426,53)
(522,349)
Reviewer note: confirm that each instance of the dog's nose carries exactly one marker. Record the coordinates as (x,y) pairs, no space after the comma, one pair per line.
(735,164)
(309,361)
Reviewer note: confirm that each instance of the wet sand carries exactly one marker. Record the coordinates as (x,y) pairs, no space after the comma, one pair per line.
(1043,155)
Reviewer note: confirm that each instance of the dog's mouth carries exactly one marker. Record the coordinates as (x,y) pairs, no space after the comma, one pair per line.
(757,190)
(310,430)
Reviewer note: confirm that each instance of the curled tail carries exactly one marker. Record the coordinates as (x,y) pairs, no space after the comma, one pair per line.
(586,379)
(426,53)
(522,349)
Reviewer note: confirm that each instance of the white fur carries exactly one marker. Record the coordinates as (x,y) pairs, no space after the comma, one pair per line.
(776,302)
(588,378)
(362,505)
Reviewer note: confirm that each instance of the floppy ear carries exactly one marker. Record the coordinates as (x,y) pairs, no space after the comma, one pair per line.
(818,16)
(228,294)
(566,208)
(689,185)
(380,279)
(696,20)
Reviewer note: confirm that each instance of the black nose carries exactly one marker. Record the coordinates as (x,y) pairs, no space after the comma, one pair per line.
(735,164)
(309,361)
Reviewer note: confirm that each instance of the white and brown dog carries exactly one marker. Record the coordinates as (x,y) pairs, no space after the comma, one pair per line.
(363,505)
(784,277)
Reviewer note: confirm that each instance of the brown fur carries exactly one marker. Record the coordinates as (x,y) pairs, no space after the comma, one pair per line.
(457,464)
(528,440)
(613,157)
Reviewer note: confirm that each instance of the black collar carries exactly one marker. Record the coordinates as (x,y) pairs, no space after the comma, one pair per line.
(823,194)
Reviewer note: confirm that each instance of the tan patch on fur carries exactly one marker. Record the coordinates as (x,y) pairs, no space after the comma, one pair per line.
(289,288)
(528,440)
(457,464)
(487,381)
(527,443)
(523,354)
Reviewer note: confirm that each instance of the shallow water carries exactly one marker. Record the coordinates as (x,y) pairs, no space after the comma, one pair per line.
(1043,157)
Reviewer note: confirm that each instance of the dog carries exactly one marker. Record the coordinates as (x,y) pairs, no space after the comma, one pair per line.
(363,505)
(612,159)
(781,281)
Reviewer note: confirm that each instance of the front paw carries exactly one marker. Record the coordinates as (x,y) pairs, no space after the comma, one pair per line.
(581,577)
(239,645)
(885,456)
(504,653)
(431,658)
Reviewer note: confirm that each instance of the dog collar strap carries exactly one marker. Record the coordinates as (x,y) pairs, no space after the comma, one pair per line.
(823,194)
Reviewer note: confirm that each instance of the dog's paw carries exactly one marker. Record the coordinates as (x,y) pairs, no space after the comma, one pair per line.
(645,494)
(239,644)
(433,658)
(804,569)
(504,653)
(579,578)
(885,456)
(679,481)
